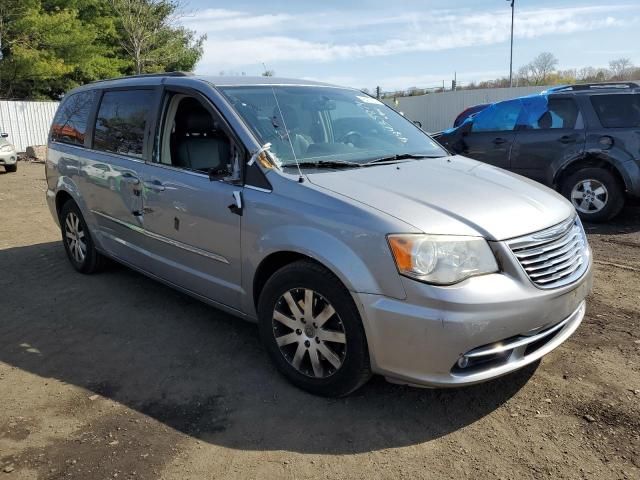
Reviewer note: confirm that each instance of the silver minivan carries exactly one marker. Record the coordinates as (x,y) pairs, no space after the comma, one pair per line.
(357,243)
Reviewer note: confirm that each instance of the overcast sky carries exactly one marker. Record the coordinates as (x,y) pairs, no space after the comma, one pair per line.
(404,43)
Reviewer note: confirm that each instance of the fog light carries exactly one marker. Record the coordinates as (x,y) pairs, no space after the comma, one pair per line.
(463,362)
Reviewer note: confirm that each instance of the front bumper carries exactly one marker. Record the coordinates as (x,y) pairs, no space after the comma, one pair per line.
(477,330)
(8,158)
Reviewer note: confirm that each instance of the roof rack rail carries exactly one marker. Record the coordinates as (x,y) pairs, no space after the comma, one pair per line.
(149,75)
(589,86)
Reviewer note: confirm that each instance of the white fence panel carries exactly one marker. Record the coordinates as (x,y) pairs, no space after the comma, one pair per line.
(437,111)
(27,123)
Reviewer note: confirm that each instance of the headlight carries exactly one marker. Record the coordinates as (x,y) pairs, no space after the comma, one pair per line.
(441,259)
(6,148)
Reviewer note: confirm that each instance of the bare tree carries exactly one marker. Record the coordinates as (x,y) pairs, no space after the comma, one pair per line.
(541,67)
(268,73)
(621,69)
(522,77)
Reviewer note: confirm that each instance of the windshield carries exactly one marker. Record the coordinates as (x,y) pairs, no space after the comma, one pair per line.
(325,124)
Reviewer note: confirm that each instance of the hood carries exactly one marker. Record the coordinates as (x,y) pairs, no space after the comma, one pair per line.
(451,195)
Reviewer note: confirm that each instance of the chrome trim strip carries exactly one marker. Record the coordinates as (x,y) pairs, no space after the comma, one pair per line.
(257,189)
(517,358)
(161,238)
(544,236)
(519,341)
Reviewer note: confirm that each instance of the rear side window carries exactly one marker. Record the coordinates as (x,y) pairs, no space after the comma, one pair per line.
(70,123)
(498,117)
(617,110)
(122,120)
(542,113)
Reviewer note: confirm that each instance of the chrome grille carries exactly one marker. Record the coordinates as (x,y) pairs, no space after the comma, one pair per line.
(553,257)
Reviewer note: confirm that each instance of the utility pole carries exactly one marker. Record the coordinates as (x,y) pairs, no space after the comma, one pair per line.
(513,9)
(1,55)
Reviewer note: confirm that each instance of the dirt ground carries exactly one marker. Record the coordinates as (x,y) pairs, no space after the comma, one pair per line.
(117,376)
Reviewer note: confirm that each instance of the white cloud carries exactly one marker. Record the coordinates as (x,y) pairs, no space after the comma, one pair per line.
(237,39)
(231,21)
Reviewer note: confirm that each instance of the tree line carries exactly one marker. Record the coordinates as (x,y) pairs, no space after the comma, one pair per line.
(48,47)
(543,70)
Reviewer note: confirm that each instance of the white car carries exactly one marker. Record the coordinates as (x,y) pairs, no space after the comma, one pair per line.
(8,154)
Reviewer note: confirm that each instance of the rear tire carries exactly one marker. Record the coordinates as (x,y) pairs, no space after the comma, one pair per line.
(77,240)
(595,193)
(11,168)
(325,354)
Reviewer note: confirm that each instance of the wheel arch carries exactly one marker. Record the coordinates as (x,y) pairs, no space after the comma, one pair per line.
(590,161)
(287,244)
(65,190)
(62,197)
(277,260)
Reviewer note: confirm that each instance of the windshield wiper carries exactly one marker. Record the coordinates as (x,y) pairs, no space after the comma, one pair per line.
(399,157)
(326,164)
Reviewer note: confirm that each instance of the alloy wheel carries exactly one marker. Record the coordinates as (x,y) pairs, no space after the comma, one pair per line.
(75,237)
(589,196)
(309,333)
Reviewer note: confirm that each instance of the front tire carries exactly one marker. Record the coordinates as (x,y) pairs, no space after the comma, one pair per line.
(11,168)
(312,330)
(595,193)
(77,240)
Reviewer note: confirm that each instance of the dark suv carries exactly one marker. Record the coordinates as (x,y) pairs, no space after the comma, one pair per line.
(582,140)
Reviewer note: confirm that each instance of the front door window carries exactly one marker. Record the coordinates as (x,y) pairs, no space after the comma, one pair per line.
(499,117)
(193,139)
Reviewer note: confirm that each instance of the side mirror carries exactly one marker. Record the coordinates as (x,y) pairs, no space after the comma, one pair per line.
(417,124)
(4,135)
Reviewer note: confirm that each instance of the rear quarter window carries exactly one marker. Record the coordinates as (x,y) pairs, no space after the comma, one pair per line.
(122,121)
(70,123)
(617,110)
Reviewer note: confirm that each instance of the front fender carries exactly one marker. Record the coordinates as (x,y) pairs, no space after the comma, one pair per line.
(332,252)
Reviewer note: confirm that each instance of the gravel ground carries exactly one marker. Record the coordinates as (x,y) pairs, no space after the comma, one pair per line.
(117,376)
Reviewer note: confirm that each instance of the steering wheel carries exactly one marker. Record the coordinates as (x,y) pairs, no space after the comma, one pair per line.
(351,137)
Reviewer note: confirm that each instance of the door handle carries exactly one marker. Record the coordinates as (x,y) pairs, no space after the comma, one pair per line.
(155,185)
(567,139)
(237,206)
(499,141)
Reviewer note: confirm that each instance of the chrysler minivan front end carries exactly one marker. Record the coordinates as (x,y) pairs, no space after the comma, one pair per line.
(528,300)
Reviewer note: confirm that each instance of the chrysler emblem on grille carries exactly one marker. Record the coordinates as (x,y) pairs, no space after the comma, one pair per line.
(554,232)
